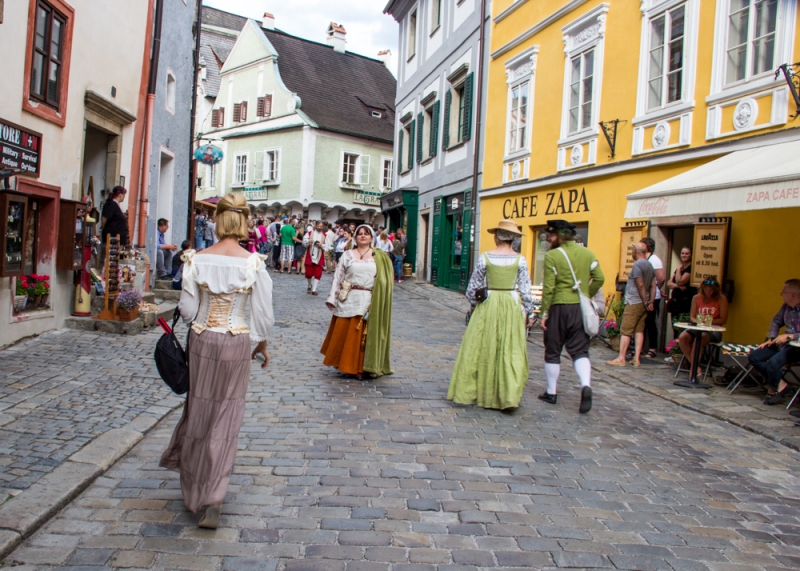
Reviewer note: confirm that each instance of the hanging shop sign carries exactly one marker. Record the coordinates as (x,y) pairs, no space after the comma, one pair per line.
(569,201)
(630,234)
(255,193)
(208,154)
(709,254)
(454,204)
(19,149)
(367,197)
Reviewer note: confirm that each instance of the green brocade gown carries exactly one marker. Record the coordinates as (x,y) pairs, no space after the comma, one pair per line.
(492,365)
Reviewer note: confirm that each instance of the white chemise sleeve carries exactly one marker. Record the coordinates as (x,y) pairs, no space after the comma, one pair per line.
(262,316)
(189,303)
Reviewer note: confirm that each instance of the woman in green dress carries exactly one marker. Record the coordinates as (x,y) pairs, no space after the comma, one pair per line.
(492,365)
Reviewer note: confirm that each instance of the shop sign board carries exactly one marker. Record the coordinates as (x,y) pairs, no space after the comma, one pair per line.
(367,197)
(708,256)
(570,201)
(629,236)
(454,204)
(20,149)
(255,193)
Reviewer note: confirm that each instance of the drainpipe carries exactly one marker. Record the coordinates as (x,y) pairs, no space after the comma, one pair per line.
(478,123)
(148,141)
(192,160)
(138,131)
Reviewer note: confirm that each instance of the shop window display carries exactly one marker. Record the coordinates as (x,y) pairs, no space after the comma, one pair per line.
(14,207)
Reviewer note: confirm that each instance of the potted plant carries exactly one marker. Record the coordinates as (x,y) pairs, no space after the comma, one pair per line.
(38,290)
(128,304)
(612,333)
(21,293)
(674,351)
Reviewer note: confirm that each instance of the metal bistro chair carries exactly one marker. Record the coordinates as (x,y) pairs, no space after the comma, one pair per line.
(739,355)
(711,356)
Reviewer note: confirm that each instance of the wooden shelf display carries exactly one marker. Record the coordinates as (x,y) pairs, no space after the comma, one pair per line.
(14,209)
(73,232)
(111,271)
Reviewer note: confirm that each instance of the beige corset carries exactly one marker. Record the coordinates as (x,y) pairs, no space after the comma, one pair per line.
(222,312)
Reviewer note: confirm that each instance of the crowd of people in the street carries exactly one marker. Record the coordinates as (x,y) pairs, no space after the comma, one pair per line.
(230,267)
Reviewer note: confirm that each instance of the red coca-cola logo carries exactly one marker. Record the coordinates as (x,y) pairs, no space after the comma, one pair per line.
(657,207)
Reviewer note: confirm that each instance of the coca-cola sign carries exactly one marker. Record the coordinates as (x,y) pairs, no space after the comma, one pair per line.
(654,207)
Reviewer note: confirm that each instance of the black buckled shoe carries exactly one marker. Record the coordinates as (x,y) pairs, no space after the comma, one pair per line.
(547,397)
(777,397)
(586,400)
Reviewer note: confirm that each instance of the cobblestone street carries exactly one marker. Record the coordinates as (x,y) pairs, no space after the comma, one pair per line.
(335,474)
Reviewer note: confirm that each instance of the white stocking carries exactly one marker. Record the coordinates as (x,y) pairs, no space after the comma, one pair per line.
(584,369)
(314,282)
(551,372)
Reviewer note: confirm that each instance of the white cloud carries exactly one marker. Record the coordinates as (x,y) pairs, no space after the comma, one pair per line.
(369,30)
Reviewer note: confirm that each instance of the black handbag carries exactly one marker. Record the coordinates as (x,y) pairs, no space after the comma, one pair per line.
(171,360)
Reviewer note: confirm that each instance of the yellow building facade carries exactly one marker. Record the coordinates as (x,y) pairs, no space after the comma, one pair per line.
(654,117)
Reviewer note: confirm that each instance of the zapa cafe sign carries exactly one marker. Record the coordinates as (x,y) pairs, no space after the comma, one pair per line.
(551,204)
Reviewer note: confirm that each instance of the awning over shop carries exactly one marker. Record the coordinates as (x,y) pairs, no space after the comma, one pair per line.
(753,179)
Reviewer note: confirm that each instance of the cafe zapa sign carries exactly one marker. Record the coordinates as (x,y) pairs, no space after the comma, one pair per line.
(19,149)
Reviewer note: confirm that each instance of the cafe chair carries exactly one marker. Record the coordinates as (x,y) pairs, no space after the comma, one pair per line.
(739,354)
(710,355)
(791,378)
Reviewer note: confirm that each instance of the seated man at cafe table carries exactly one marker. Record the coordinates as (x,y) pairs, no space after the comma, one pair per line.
(709,302)
(164,251)
(772,355)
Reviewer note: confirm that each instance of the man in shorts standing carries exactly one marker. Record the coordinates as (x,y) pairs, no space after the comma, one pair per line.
(287,247)
(640,293)
(561,318)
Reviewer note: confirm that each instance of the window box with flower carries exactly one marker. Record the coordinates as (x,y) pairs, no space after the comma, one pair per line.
(31,293)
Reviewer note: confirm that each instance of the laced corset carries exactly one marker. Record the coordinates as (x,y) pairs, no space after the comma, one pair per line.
(222,312)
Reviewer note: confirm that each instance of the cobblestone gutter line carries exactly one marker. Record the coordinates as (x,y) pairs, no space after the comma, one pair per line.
(23,515)
(448,299)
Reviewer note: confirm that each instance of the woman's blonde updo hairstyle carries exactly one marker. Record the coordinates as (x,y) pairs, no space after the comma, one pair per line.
(231,215)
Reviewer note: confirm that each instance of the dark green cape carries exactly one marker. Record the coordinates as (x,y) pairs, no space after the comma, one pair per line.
(379,332)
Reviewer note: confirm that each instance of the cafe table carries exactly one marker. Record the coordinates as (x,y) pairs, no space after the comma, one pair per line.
(795,343)
(693,383)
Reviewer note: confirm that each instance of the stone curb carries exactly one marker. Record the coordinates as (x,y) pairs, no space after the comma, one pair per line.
(687,404)
(23,515)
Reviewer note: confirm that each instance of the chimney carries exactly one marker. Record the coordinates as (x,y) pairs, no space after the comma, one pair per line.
(336,35)
(386,57)
(268,22)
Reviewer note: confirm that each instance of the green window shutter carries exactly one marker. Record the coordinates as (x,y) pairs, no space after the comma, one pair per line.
(420,130)
(434,142)
(448,102)
(400,151)
(466,134)
(411,138)
(466,225)
(437,223)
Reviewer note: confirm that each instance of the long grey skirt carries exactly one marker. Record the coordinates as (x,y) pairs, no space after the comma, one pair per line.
(203,446)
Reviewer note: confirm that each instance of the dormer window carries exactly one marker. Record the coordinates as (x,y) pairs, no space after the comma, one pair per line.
(377,114)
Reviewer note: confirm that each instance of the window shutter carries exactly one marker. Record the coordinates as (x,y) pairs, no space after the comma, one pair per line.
(243,112)
(364,162)
(448,102)
(466,133)
(400,151)
(221,122)
(420,124)
(411,139)
(258,166)
(434,142)
(268,105)
(237,112)
(215,118)
(260,107)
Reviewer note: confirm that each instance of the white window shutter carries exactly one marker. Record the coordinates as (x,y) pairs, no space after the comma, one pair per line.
(258,174)
(276,158)
(364,169)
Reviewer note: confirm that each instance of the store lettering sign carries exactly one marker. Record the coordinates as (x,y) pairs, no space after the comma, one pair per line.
(777,196)
(710,247)
(255,193)
(564,202)
(366,197)
(630,235)
(656,207)
(19,149)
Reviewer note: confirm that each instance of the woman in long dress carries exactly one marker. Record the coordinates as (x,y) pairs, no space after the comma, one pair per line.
(492,365)
(359,336)
(217,284)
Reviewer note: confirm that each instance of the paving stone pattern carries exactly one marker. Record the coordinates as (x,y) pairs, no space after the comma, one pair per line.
(335,474)
(65,388)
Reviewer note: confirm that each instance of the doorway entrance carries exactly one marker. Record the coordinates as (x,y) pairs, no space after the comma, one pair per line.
(166,184)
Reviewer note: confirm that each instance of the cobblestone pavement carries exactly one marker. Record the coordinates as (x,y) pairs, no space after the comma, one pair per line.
(63,389)
(340,475)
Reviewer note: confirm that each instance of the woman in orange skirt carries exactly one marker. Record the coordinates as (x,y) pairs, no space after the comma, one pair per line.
(358,339)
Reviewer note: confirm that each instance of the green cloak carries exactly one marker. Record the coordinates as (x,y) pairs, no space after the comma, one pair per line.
(379,331)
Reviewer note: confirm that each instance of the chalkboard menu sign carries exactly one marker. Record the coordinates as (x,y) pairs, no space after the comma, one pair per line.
(19,149)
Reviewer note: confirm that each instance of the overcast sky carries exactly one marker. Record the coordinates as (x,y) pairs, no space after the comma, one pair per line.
(369,30)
